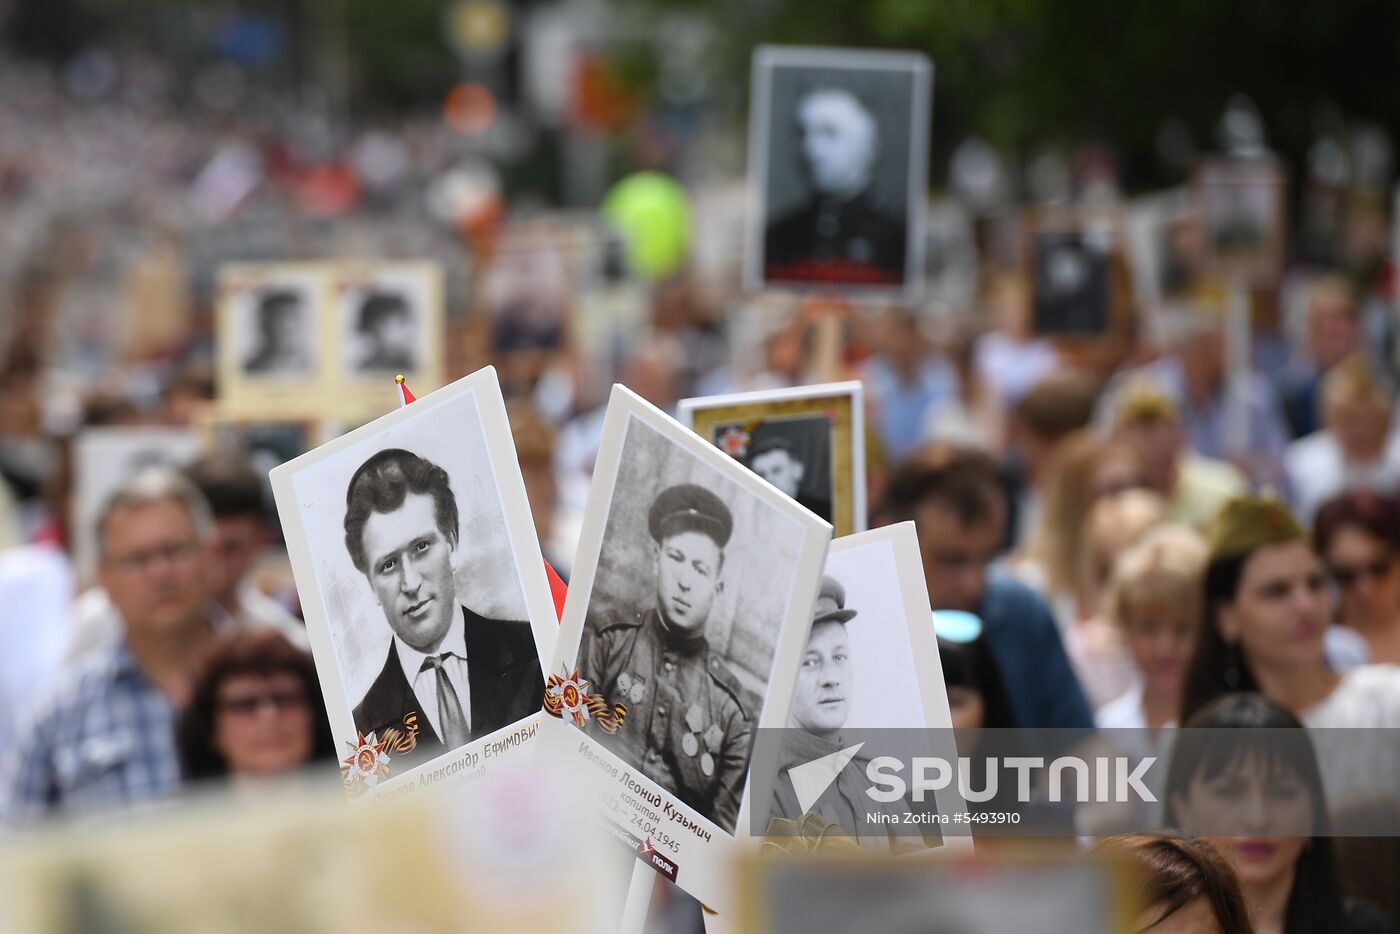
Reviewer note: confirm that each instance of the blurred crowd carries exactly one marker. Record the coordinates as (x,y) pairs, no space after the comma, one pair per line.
(1152,531)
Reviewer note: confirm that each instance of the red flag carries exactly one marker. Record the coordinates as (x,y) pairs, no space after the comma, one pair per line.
(405,397)
(557,589)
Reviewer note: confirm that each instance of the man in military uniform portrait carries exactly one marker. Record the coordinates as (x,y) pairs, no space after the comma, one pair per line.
(845,230)
(775,458)
(686,728)
(821,705)
(456,674)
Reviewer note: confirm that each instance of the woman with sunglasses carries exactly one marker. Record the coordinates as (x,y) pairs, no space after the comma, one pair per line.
(1244,775)
(1358,535)
(255,712)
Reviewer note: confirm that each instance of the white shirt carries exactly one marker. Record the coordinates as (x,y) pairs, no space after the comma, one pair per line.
(1356,732)
(1317,470)
(425,682)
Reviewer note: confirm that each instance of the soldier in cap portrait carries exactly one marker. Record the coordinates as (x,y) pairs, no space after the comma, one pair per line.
(820,707)
(686,728)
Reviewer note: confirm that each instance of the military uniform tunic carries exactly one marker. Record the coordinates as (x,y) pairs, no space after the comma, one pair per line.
(685,728)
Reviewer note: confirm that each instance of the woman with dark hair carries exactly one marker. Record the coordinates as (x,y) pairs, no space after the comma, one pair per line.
(1358,536)
(255,712)
(1266,618)
(1186,886)
(1256,793)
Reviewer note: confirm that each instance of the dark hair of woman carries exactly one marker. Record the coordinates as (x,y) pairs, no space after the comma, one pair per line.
(1376,515)
(258,653)
(1217,667)
(971,665)
(1172,872)
(1260,729)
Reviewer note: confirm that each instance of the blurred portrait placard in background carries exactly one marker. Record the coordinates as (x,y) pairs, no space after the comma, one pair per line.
(389,318)
(1242,211)
(809,442)
(838,170)
(327,339)
(271,332)
(421,580)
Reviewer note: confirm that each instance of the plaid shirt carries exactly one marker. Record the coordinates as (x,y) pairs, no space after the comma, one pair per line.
(104,738)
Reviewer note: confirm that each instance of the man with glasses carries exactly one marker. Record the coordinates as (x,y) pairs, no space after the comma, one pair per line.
(956,498)
(104,736)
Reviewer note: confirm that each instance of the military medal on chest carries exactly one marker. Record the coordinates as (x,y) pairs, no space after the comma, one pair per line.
(713,737)
(631,687)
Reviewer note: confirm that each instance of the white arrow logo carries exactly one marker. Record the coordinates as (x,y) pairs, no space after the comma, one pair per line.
(811,779)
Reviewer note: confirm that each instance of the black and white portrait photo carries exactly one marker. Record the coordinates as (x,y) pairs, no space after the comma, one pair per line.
(804,440)
(387,323)
(837,155)
(425,572)
(700,575)
(1070,282)
(272,338)
(794,454)
(869,668)
(281,331)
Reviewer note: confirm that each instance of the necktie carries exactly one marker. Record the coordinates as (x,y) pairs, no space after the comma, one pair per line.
(455,731)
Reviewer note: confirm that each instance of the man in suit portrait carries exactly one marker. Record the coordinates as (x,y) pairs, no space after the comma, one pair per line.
(460,674)
(844,230)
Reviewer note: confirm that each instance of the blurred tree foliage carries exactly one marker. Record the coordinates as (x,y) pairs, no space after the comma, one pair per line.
(1024,73)
(1021,73)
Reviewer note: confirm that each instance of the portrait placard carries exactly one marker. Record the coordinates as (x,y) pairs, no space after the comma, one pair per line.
(388,317)
(688,608)
(1242,213)
(424,592)
(808,441)
(272,336)
(838,170)
(870,684)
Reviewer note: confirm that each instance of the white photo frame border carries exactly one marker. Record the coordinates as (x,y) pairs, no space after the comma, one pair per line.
(703,865)
(920,66)
(521,537)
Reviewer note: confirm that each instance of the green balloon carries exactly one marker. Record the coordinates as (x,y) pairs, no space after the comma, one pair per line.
(652,213)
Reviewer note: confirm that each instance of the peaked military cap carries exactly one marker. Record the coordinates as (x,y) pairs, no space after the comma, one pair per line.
(831,603)
(687,507)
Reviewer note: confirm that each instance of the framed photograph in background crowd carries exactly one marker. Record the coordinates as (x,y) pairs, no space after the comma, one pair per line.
(687,612)
(809,442)
(1075,267)
(871,678)
(1242,214)
(422,585)
(272,336)
(838,170)
(993,893)
(388,317)
(103,459)
(950,263)
(1164,247)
